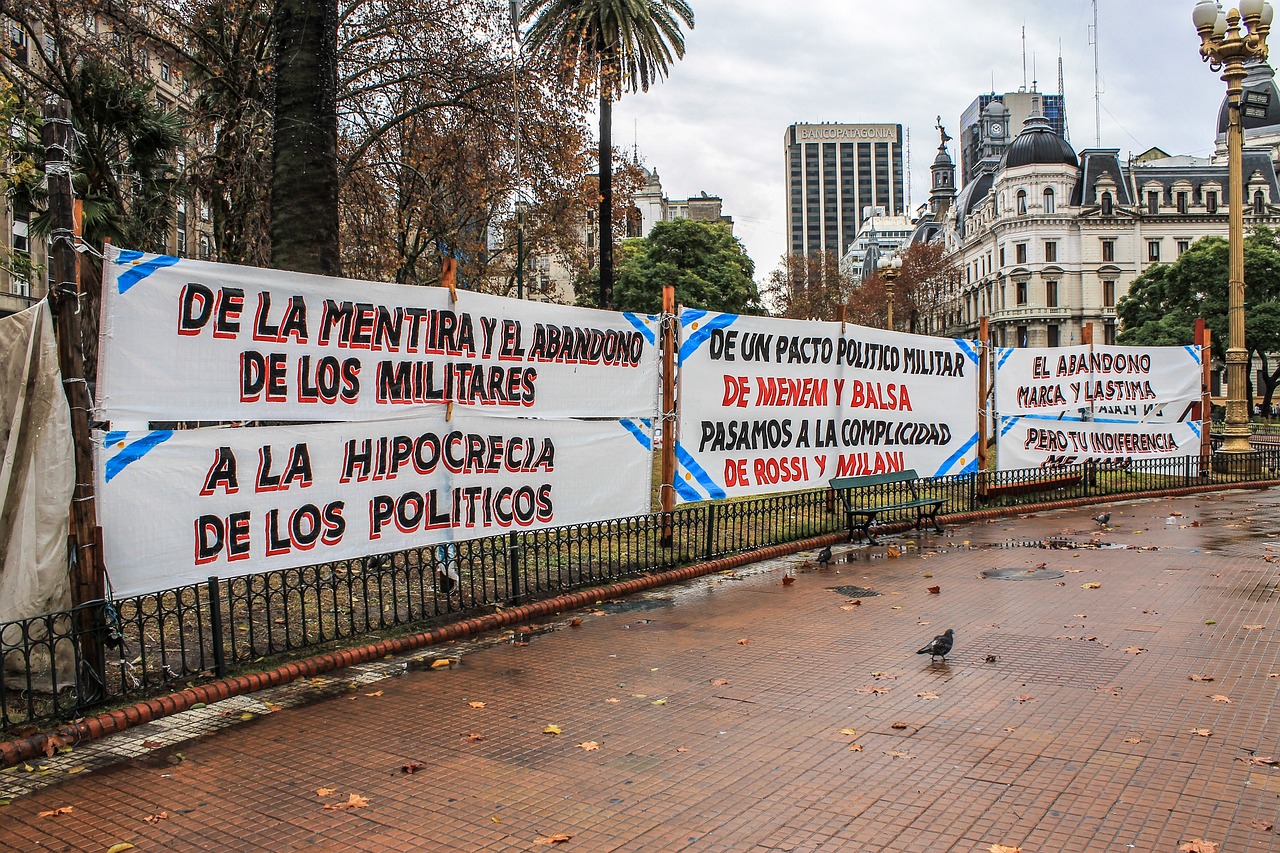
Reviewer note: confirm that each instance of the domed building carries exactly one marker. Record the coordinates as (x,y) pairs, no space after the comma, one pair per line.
(1047,239)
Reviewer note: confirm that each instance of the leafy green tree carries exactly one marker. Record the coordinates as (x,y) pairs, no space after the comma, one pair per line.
(610,46)
(1163,303)
(707,264)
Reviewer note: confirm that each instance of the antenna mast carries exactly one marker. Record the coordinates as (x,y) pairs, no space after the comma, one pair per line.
(906,210)
(1062,98)
(1097,83)
(1024,56)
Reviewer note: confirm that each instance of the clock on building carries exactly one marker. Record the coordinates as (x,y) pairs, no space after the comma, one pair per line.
(995,128)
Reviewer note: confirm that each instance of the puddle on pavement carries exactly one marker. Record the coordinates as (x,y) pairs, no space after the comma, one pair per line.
(1035,574)
(635,605)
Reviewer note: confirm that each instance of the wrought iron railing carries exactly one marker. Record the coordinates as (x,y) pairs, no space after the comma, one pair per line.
(164,640)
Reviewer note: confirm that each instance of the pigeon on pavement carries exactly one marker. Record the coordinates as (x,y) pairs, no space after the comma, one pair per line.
(824,556)
(939,646)
(1103,520)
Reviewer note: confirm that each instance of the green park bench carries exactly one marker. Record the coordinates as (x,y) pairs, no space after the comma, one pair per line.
(851,488)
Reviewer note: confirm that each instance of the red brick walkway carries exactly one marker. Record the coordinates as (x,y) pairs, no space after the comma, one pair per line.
(720,713)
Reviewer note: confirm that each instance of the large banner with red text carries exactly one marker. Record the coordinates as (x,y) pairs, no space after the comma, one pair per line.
(182,505)
(193,340)
(769,405)
(1041,441)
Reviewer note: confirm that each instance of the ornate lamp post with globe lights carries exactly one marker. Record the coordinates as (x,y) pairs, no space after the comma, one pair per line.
(890,268)
(1226,46)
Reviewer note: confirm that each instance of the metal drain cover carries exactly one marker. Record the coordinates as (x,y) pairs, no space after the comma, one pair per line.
(1023,574)
(854,591)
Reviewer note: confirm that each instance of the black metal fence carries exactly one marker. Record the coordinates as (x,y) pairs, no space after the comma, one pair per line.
(164,640)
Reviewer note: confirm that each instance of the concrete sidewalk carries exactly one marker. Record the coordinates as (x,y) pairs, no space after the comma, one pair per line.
(739,713)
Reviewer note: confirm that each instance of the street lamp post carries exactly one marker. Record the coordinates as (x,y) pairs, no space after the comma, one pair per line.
(1226,46)
(890,268)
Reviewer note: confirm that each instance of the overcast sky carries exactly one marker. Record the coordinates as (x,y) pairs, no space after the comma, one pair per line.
(754,67)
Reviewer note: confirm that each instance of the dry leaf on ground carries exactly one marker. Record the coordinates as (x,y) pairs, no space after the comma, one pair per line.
(855,747)
(849,732)
(1134,650)
(589,745)
(324,792)
(744,642)
(873,690)
(934,590)
(1198,845)
(1091,585)
(1225,700)
(120,848)
(1003,848)
(927,694)
(558,838)
(720,682)
(898,753)
(898,724)
(1024,699)
(1253,627)
(1261,825)
(374,693)
(442,663)
(1261,761)
(56,812)
(1199,676)
(411,767)
(1200,732)
(354,801)
(156,818)
(552,729)
(474,737)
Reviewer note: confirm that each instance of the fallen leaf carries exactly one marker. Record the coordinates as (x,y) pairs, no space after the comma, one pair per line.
(1133,740)
(1220,698)
(152,744)
(51,745)
(855,747)
(1200,732)
(927,575)
(1091,585)
(682,749)
(880,674)
(354,801)
(1003,848)
(474,737)
(898,724)
(120,848)
(848,606)
(898,753)
(575,622)
(934,590)
(56,812)
(442,663)
(1080,616)
(374,693)
(613,701)
(927,694)
(873,690)
(552,729)
(589,746)
(156,818)
(324,792)
(1261,761)
(1024,699)
(1134,650)
(558,838)
(1211,621)
(849,732)
(1009,729)
(1199,676)
(475,704)
(744,642)
(412,767)
(720,682)
(1260,825)
(896,607)
(1198,845)
(1253,627)
(1273,675)
(788,580)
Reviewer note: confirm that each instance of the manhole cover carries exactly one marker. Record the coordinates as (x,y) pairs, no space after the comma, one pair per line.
(1036,574)
(853,591)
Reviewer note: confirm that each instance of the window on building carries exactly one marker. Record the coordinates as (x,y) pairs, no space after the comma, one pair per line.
(1182,202)
(1022,293)
(1048,200)
(1109,294)
(1108,251)
(1002,256)
(166,73)
(206,247)
(1109,334)
(1259,203)
(1211,201)
(1022,337)
(1021,200)
(1153,250)
(206,212)
(1050,251)
(1019,253)
(21,237)
(1108,205)
(50,46)
(1183,245)
(20,42)
(1054,335)
(1051,294)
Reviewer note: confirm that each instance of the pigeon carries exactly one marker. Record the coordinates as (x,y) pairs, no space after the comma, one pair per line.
(939,646)
(1103,520)
(824,556)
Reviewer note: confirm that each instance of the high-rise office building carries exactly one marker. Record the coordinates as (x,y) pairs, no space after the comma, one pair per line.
(992,134)
(837,174)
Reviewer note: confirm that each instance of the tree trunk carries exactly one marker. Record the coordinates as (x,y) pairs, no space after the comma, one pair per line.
(304,154)
(606,198)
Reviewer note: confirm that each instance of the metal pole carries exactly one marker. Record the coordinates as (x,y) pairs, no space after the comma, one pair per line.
(1236,432)
(88,579)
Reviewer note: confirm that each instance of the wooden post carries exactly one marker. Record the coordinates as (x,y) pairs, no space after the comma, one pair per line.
(87,575)
(667,491)
(984,332)
(1204,335)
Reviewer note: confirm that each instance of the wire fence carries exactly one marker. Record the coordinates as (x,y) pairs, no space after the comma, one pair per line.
(165,640)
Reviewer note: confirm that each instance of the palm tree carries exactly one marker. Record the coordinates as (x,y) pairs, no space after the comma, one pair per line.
(612,46)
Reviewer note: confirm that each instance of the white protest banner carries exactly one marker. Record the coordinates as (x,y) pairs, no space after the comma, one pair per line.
(179,506)
(192,340)
(1037,441)
(769,405)
(1157,384)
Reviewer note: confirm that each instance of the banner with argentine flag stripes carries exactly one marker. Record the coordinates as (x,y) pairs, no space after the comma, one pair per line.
(770,405)
(187,340)
(179,506)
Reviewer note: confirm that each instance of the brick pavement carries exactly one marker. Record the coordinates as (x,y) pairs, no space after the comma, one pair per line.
(1063,721)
